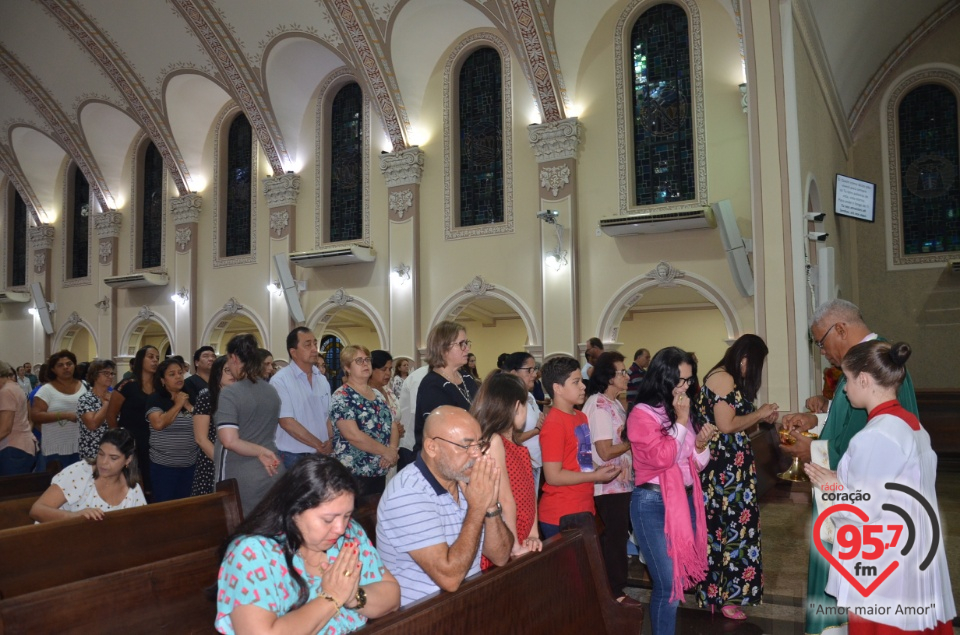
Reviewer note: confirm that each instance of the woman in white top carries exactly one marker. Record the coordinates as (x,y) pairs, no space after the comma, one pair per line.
(55,411)
(891,469)
(88,491)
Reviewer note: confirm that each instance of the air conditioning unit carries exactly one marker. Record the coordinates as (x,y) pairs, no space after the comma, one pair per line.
(658,222)
(134,280)
(14,296)
(953,266)
(334,256)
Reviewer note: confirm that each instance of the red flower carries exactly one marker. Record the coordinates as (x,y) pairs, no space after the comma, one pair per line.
(745,517)
(749,573)
(738,461)
(712,591)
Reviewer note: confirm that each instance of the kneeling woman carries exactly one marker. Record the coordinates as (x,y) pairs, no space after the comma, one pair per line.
(299,564)
(85,490)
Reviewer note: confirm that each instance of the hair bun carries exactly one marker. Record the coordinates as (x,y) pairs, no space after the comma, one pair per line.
(900,353)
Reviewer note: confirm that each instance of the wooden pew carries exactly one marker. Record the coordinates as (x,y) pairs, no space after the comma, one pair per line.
(940,417)
(32,484)
(42,556)
(562,589)
(15,512)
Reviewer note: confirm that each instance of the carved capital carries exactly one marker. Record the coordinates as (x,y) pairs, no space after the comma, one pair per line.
(281,190)
(555,140)
(108,224)
(404,167)
(41,237)
(186,208)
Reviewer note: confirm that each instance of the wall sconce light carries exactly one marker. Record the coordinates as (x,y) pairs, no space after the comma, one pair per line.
(33,311)
(103,304)
(181,297)
(557,258)
(401,273)
(275,288)
(743,97)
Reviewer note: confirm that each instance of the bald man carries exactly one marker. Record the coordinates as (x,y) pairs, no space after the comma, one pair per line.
(442,511)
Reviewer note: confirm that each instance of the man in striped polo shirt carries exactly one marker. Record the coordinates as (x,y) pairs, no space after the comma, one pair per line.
(441,512)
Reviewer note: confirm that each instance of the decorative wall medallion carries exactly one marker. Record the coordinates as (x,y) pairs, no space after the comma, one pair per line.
(232,306)
(74,318)
(555,140)
(281,190)
(554,178)
(145,313)
(340,297)
(184,236)
(665,274)
(39,261)
(106,250)
(279,220)
(478,286)
(400,201)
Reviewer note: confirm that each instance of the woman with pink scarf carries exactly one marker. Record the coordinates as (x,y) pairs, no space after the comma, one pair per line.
(666,507)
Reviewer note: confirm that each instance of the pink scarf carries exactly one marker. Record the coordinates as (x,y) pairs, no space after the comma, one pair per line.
(655,455)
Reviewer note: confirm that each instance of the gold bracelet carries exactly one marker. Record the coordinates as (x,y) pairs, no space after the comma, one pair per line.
(327,596)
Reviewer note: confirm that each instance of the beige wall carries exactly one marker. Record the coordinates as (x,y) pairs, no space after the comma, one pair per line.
(488,342)
(700,331)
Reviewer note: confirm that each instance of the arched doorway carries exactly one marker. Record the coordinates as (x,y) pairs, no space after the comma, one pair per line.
(228,327)
(493,327)
(149,333)
(77,337)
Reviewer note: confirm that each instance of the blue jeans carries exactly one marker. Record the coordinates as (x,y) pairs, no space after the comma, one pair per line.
(16,461)
(170,483)
(647,516)
(548,531)
(290,458)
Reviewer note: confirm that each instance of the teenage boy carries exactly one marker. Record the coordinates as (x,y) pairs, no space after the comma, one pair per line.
(566,448)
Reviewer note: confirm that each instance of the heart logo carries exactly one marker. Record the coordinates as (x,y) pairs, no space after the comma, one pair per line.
(865,592)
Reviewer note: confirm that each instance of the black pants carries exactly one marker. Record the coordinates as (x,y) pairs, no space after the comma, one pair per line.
(614,511)
(371,484)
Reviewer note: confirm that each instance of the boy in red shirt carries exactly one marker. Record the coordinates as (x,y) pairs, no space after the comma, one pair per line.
(566,447)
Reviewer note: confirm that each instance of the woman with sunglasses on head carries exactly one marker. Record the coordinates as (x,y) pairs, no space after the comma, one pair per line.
(93,406)
(666,507)
(729,480)
(447,351)
(607,421)
(364,437)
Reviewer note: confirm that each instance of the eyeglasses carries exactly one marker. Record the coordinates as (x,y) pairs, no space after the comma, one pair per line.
(527,369)
(685,381)
(480,447)
(108,373)
(623,373)
(363,361)
(824,338)
(463,344)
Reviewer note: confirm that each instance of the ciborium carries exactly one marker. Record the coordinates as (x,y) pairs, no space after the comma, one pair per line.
(795,472)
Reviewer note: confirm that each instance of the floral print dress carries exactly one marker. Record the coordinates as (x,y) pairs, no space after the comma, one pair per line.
(373,418)
(729,480)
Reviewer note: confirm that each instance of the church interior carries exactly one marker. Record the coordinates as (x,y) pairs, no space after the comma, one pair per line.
(651,173)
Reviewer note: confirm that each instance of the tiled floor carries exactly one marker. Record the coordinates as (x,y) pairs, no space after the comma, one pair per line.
(785,514)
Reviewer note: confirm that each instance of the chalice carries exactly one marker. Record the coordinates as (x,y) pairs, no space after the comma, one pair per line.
(795,472)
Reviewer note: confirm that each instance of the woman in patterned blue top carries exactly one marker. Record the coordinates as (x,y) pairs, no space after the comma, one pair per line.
(299,564)
(364,438)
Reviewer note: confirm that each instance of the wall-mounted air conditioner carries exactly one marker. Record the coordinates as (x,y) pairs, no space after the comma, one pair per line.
(658,222)
(334,256)
(14,296)
(134,280)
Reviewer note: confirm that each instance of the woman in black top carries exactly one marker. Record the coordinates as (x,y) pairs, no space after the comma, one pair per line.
(447,350)
(128,407)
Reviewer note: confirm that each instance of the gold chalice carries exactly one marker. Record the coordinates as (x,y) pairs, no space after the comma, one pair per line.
(795,472)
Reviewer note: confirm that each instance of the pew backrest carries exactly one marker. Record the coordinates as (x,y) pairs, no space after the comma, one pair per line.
(22,485)
(15,512)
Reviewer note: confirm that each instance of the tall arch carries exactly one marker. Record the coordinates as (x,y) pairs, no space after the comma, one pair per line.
(339,300)
(665,275)
(457,301)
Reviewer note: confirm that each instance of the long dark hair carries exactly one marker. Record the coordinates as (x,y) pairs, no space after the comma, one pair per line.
(137,366)
(514,361)
(604,371)
(314,480)
(216,374)
(123,440)
(161,371)
(244,346)
(662,376)
(754,350)
(496,404)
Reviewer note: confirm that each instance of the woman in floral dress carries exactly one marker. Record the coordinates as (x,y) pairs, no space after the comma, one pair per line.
(735,573)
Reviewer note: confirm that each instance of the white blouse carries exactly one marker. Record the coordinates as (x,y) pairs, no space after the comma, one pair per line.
(78,487)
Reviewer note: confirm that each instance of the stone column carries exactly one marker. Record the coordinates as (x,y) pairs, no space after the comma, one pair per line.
(403,170)
(281,193)
(555,145)
(186,217)
(41,241)
(107,226)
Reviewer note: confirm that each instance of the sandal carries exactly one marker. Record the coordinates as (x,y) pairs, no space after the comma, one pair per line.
(731,612)
(626,600)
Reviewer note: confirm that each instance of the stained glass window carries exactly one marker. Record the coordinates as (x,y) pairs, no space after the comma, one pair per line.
(481,138)
(18,240)
(346,161)
(662,120)
(330,349)
(151,220)
(929,149)
(239,174)
(80,226)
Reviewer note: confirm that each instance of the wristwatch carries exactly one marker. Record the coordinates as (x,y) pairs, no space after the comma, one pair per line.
(494,513)
(361,598)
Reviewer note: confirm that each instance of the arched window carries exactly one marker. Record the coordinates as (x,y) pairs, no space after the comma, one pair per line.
(929,147)
(239,177)
(16,239)
(150,227)
(346,165)
(480,103)
(330,348)
(663,134)
(78,226)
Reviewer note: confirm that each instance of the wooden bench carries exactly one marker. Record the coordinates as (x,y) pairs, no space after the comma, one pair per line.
(32,484)
(49,555)
(15,512)
(562,589)
(940,417)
